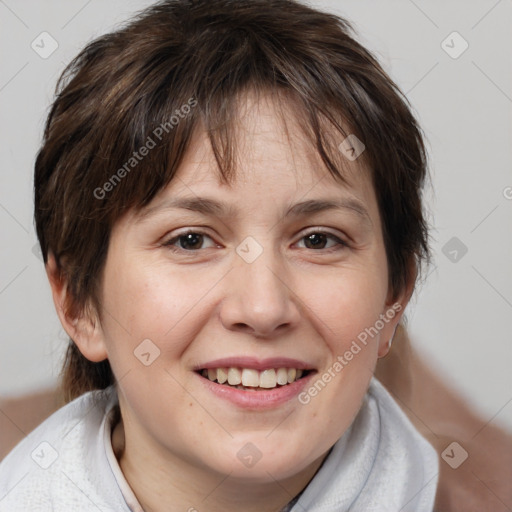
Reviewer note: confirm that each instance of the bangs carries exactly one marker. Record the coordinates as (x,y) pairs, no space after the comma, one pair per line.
(142,148)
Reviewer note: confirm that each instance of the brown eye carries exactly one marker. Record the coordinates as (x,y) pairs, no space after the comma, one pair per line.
(189,241)
(318,241)
(315,241)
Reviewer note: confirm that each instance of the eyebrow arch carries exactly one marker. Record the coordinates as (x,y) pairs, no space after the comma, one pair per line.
(212,207)
(320,205)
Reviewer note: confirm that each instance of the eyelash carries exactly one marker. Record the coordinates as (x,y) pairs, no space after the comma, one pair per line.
(340,244)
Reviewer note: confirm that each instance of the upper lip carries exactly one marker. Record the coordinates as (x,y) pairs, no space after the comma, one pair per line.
(255,363)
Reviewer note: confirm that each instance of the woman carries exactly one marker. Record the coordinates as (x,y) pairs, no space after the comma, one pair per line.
(228,201)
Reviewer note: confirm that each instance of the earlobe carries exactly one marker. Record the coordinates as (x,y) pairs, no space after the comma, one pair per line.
(83,327)
(385,346)
(395,309)
(392,317)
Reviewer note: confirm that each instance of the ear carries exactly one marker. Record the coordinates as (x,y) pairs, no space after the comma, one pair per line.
(83,327)
(393,312)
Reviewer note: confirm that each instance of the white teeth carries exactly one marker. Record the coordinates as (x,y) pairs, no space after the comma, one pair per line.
(244,378)
(222,375)
(282,376)
(250,378)
(234,376)
(268,379)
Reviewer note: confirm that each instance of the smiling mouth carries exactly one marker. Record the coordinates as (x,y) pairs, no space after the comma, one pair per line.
(249,379)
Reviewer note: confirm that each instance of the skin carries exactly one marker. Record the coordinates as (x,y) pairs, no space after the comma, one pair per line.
(178,443)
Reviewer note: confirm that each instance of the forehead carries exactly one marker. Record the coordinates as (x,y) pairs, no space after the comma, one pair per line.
(274,178)
(270,145)
(278,175)
(276,171)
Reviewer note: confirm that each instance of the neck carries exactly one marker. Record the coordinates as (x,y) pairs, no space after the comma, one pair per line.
(160,482)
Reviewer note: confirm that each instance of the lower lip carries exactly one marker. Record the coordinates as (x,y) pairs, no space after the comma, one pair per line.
(259,399)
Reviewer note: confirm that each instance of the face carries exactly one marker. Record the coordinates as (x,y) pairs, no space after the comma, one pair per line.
(260,283)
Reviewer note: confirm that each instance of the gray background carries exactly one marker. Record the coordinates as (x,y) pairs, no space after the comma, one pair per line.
(460,317)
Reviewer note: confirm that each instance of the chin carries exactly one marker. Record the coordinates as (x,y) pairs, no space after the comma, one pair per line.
(263,461)
(268,472)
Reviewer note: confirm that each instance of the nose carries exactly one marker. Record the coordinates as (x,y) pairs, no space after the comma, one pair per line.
(259,301)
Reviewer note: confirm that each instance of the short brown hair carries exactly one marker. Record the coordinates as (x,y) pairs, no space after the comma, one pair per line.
(205,54)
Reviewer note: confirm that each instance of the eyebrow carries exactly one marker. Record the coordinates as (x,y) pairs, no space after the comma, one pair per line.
(215,208)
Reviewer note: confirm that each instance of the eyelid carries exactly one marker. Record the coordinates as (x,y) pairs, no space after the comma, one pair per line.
(319,229)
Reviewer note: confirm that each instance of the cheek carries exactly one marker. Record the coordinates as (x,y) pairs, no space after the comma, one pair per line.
(150,302)
(343,314)
(151,299)
(347,303)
